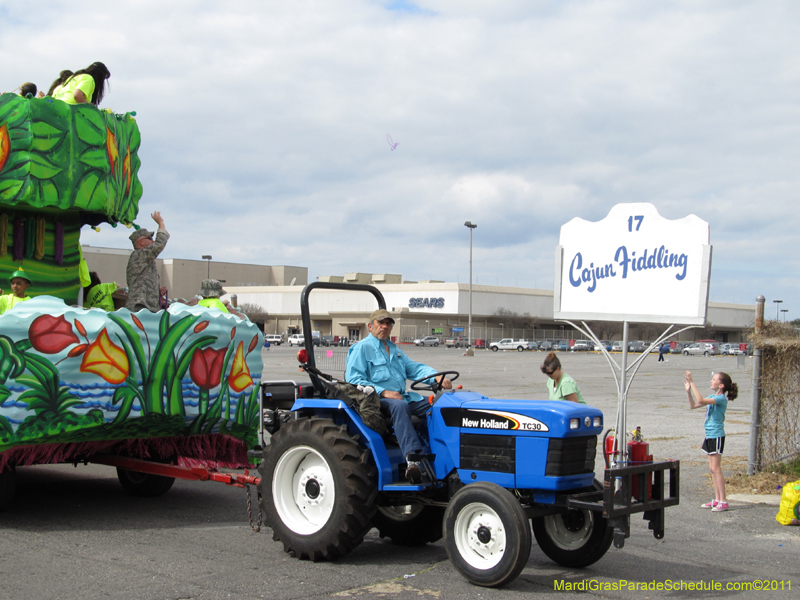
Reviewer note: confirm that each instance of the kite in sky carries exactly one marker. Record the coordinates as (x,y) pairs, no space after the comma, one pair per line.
(392,143)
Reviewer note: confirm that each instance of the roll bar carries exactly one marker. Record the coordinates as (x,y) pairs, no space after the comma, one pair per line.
(306,317)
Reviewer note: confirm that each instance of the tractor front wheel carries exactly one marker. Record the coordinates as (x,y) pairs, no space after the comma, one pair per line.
(317,489)
(486,534)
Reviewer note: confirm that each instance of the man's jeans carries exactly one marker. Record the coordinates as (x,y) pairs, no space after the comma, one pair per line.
(401,412)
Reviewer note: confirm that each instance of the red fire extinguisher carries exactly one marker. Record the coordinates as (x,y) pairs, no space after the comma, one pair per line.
(608,447)
(637,454)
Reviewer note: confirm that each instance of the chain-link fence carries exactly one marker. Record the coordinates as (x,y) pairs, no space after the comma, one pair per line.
(779,415)
(776,402)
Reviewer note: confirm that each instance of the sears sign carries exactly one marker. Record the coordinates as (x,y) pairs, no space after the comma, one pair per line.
(634,265)
(426,303)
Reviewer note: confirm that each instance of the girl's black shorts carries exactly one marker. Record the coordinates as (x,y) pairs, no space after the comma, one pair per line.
(714,445)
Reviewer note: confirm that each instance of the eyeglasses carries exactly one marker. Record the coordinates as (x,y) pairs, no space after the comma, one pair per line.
(546,372)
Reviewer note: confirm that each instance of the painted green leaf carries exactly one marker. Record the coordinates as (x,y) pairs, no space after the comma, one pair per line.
(41,168)
(49,192)
(96,158)
(9,188)
(90,127)
(46,137)
(91,191)
(43,129)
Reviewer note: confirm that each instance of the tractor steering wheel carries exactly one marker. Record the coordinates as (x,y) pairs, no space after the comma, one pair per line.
(420,386)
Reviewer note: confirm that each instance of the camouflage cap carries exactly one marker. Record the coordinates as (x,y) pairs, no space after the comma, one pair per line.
(140,233)
(211,288)
(380,315)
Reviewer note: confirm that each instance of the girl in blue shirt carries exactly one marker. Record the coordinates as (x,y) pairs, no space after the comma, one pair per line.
(723,390)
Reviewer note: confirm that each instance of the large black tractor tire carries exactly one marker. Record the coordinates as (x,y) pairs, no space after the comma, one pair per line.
(576,538)
(318,489)
(486,534)
(144,485)
(8,487)
(411,525)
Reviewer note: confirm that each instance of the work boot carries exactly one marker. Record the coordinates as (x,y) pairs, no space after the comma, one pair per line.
(413,472)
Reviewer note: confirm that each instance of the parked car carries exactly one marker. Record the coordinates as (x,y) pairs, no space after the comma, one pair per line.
(637,346)
(731,349)
(509,344)
(456,342)
(701,348)
(616,346)
(332,340)
(297,339)
(561,345)
(533,346)
(545,346)
(580,346)
(428,340)
(273,339)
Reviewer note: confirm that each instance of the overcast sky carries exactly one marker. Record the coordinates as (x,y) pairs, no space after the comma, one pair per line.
(264,127)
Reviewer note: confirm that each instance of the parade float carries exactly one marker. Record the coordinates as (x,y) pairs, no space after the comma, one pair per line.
(178,387)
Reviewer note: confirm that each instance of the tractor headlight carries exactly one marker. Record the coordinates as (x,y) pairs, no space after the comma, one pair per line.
(598,422)
(587,422)
(574,423)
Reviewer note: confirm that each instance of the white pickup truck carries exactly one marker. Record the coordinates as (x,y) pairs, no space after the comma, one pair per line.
(509,344)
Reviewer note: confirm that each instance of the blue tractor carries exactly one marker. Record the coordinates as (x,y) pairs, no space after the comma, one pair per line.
(496,471)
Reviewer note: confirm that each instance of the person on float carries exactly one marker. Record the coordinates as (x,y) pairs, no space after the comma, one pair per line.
(98,295)
(211,290)
(20,282)
(144,289)
(84,86)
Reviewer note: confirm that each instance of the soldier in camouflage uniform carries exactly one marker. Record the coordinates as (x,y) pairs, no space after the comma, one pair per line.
(142,274)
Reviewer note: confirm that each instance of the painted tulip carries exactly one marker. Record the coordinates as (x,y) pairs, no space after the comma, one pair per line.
(205,369)
(239,379)
(5,145)
(50,335)
(104,358)
(111,148)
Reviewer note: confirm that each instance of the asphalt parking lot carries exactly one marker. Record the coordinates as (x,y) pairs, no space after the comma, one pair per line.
(72,533)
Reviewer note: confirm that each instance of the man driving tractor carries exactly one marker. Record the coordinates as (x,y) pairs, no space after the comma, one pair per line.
(377,362)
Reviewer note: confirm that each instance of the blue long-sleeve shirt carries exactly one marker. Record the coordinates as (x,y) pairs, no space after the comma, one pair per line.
(369,364)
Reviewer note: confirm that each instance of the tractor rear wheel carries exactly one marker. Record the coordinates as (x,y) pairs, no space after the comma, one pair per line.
(410,525)
(317,489)
(486,534)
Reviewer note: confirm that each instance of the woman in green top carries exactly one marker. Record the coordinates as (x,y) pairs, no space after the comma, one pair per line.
(85,86)
(98,295)
(560,385)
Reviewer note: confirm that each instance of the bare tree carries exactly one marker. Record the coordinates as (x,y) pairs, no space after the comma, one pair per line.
(254,312)
(514,320)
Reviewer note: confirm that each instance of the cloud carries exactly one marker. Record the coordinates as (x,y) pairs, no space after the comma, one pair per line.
(264,123)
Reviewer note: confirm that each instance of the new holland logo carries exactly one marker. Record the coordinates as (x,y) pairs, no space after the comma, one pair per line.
(491,419)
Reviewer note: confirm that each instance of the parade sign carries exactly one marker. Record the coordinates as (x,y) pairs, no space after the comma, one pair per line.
(634,265)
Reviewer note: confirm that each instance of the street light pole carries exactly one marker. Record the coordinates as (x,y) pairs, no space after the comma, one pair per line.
(777,306)
(784,311)
(208,271)
(470,225)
